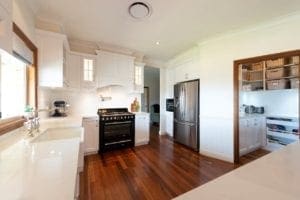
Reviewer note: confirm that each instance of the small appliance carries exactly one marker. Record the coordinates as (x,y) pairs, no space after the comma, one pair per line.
(60,108)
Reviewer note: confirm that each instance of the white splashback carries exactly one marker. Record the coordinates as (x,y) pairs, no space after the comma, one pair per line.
(276,102)
(86,102)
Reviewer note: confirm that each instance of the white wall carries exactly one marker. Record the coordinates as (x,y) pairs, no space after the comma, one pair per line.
(86,103)
(214,64)
(275,102)
(24,17)
(151,80)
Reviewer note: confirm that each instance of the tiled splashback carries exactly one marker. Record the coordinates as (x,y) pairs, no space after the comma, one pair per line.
(276,102)
(86,102)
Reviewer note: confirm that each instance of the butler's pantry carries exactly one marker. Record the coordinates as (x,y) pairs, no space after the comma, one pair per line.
(268,102)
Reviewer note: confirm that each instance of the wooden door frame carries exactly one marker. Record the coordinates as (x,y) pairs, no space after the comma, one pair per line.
(236,92)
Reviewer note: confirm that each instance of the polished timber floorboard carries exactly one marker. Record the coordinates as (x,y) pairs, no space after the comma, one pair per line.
(160,170)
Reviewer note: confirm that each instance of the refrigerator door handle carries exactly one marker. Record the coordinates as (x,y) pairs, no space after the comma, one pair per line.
(184,123)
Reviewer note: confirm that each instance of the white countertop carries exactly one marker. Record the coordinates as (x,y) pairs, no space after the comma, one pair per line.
(275,176)
(40,170)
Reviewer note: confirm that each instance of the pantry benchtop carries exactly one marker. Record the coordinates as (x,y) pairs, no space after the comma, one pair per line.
(275,176)
(39,170)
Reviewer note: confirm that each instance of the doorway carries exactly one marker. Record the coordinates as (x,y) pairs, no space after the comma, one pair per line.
(151,96)
(145,100)
(266,102)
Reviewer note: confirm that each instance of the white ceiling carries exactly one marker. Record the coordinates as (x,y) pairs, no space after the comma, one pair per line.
(176,24)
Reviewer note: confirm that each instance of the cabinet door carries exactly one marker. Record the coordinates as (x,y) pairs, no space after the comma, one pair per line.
(50,61)
(5,30)
(106,69)
(142,129)
(72,76)
(91,136)
(243,134)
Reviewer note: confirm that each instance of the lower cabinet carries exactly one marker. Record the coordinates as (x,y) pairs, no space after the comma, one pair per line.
(142,128)
(251,133)
(91,135)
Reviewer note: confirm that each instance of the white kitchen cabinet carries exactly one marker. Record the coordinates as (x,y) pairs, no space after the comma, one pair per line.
(186,71)
(251,132)
(139,77)
(115,69)
(51,47)
(91,134)
(72,74)
(5,30)
(142,128)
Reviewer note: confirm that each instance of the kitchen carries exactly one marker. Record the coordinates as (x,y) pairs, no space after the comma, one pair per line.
(86,84)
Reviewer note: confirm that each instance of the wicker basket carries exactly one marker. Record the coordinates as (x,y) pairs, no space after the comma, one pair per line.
(294,70)
(275,63)
(278,84)
(276,73)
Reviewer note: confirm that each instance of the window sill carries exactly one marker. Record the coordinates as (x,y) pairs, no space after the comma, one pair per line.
(10,124)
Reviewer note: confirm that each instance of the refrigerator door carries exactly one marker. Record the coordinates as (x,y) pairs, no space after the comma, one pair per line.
(178,102)
(191,101)
(186,133)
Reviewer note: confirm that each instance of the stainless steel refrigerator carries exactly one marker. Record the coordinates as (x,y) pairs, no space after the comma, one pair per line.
(186,114)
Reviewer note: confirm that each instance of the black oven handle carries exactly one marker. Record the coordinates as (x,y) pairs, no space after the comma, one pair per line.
(117,123)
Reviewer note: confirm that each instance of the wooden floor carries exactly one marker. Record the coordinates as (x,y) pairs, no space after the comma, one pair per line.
(160,170)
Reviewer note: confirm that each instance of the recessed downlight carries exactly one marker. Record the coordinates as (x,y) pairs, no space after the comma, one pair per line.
(139,10)
(157,43)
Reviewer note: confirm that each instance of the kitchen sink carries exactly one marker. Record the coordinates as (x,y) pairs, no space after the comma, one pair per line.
(60,134)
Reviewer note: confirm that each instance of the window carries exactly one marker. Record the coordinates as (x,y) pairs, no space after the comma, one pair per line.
(138,75)
(13,86)
(88,70)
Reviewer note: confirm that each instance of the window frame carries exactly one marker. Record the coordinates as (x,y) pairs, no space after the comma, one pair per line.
(12,123)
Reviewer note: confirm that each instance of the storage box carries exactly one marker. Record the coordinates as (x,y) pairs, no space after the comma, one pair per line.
(275,63)
(294,70)
(295,60)
(275,73)
(294,83)
(254,76)
(278,84)
(257,66)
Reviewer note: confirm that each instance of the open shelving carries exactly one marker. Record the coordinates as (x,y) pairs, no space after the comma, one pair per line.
(276,74)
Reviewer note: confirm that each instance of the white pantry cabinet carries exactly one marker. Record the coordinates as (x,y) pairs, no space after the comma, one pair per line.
(52,49)
(251,133)
(142,128)
(5,30)
(115,69)
(91,134)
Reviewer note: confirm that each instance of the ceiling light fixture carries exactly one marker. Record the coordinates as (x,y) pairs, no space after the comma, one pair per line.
(157,43)
(139,10)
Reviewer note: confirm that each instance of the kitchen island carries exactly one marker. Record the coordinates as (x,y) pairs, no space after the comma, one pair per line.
(275,176)
(44,166)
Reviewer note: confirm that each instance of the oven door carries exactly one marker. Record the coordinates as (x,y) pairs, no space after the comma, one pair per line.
(117,132)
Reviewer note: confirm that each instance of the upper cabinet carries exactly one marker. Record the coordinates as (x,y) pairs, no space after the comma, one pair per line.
(115,69)
(139,77)
(6,26)
(52,58)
